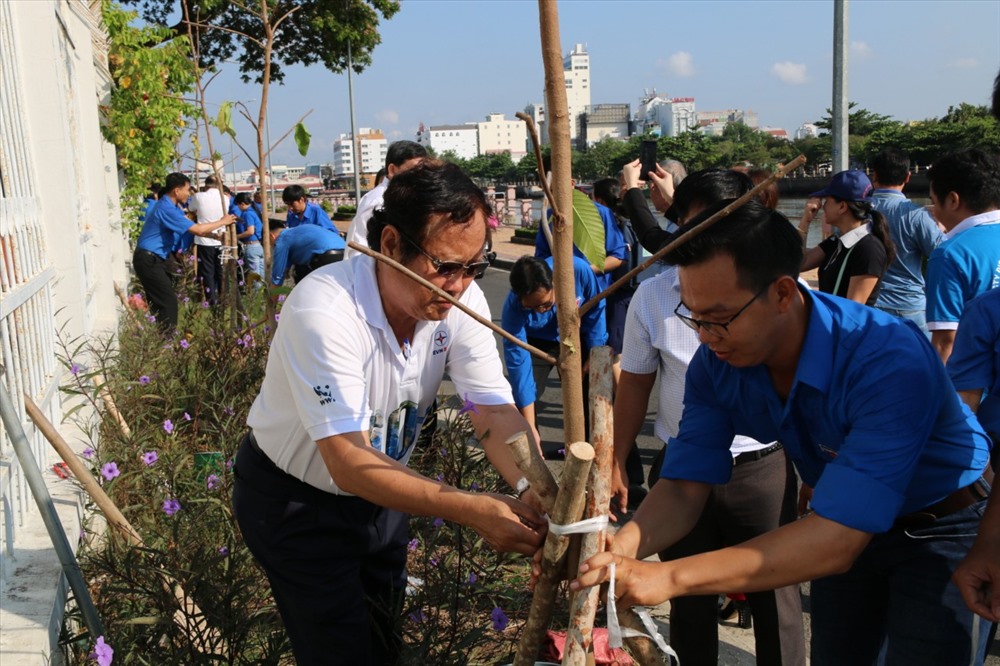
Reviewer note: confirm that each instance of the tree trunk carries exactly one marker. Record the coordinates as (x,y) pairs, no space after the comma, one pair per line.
(568,509)
(583,604)
(570,362)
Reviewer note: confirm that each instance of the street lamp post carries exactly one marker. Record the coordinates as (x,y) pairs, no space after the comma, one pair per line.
(355,142)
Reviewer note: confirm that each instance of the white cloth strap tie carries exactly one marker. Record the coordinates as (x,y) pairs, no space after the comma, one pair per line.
(588,526)
(616,632)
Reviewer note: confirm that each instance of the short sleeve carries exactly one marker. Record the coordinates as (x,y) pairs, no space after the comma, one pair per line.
(945,297)
(473,363)
(638,354)
(976,354)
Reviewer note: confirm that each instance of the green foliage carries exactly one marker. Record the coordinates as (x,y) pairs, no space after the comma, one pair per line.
(302,138)
(144,118)
(318,31)
(588,229)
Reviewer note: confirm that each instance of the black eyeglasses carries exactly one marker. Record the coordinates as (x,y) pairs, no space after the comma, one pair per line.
(448,268)
(717,328)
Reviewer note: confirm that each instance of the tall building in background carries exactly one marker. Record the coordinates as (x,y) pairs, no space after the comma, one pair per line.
(665,116)
(498,135)
(602,121)
(366,152)
(576,74)
(679,116)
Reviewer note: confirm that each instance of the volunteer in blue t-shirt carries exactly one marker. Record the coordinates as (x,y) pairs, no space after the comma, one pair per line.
(305,248)
(164,223)
(249,232)
(863,407)
(302,211)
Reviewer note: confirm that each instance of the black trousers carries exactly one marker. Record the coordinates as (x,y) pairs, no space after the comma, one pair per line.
(336,564)
(300,271)
(210,271)
(157,281)
(761,496)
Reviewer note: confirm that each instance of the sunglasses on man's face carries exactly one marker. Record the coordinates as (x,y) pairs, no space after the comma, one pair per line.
(448,268)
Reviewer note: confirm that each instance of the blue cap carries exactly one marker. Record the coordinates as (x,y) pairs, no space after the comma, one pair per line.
(851,185)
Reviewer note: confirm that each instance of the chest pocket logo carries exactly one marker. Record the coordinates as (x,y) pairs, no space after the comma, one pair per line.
(440,343)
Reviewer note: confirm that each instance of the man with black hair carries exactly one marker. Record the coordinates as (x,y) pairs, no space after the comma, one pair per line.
(164,223)
(322,487)
(864,408)
(250,233)
(210,204)
(965,190)
(302,211)
(914,233)
(400,156)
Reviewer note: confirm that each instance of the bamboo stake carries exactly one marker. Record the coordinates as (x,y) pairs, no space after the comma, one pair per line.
(568,509)
(529,460)
(691,232)
(109,404)
(583,604)
(448,297)
(188,609)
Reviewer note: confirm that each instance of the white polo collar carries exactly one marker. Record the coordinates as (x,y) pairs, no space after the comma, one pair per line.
(852,237)
(989,217)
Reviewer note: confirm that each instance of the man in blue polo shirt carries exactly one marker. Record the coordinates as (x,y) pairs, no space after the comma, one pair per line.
(864,408)
(164,223)
(914,233)
(529,313)
(302,211)
(965,189)
(249,232)
(305,248)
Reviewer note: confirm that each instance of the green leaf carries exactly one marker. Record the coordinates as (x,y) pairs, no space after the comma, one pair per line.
(588,229)
(302,138)
(224,121)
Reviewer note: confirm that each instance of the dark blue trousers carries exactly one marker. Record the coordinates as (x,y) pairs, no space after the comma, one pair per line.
(336,564)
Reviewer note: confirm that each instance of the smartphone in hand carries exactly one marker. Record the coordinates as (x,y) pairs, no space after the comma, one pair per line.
(647,158)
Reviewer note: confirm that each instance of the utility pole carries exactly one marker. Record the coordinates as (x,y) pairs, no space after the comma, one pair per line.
(355,142)
(840,150)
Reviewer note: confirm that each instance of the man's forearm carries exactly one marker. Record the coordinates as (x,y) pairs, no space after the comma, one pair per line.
(630,410)
(943,341)
(497,424)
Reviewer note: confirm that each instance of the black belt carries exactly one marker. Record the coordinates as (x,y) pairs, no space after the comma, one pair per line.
(151,254)
(975,492)
(751,456)
(324,258)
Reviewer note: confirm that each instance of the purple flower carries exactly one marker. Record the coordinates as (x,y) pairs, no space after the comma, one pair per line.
(434,561)
(229,464)
(110,471)
(204,304)
(223,551)
(239,262)
(281,298)
(467,406)
(88,453)
(239,341)
(150,457)
(417,616)
(187,299)
(168,426)
(499,619)
(438,522)
(474,486)
(184,343)
(151,319)
(412,546)
(212,481)
(473,578)
(103,654)
(228,411)
(277,316)
(171,506)
(187,417)
(75,369)
(144,380)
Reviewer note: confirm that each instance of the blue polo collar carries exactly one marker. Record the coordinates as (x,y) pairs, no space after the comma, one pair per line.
(819,347)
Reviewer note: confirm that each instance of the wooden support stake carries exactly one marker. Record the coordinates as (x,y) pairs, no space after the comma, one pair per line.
(529,460)
(583,604)
(568,509)
(643,650)
(109,404)
(188,610)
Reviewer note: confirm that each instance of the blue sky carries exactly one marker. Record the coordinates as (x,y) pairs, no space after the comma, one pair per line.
(454,61)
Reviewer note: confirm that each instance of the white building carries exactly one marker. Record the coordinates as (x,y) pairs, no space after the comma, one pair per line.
(63,251)
(602,121)
(576,75)
(537,113)
(462,140)
(497,135)
(368,149)
(806,130)
(678,116)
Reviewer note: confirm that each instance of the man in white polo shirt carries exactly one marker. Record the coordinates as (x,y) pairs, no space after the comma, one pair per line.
(322,489)
(210,204)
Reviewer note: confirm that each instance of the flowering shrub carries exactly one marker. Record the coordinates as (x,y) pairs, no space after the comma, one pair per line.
(187,395)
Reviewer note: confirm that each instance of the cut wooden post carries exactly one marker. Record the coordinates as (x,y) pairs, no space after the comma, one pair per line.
(583,604)
(109,404)
(568,509)
(529,460)
(643,650)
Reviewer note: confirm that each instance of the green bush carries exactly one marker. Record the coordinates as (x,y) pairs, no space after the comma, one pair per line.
(345,209)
